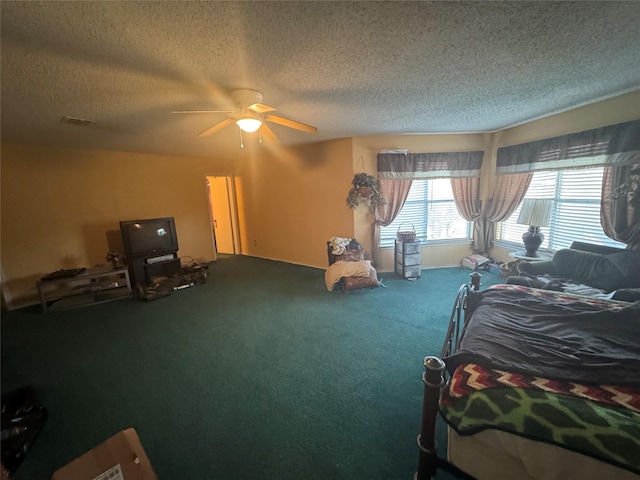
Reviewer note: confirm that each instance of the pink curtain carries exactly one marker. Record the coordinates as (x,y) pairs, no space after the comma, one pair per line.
(466,193)
(620,217)
(508,193)
(396,170)
(395,194)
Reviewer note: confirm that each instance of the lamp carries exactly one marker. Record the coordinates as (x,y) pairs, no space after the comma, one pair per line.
(249,123)
(535,212)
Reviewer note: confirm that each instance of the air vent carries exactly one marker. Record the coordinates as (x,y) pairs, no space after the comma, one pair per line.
(79,122)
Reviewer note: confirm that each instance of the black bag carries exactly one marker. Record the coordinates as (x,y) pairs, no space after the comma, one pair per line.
(23,417)
(354,245)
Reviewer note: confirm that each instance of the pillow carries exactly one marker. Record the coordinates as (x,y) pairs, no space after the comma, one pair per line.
(357,283)
(579,266)
(606,272)
(628,263)
(335,272)
(350,256)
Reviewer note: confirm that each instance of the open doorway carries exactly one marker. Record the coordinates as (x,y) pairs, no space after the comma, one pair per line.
(223,214)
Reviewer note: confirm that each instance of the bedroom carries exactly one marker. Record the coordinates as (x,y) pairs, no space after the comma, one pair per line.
(63,192)
(65,188)
(58,204)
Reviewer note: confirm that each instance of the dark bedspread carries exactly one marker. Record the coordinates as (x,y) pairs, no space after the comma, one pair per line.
(530,331)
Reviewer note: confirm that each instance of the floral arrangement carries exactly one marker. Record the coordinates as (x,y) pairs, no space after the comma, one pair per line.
(631,187)
(115,258)
(365,187)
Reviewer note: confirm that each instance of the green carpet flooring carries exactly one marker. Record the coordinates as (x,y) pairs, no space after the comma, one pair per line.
(259,373)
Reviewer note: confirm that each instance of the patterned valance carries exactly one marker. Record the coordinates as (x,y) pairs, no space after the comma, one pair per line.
(612,145)
(416,166)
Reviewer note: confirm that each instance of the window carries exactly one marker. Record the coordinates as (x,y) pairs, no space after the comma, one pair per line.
(576,209)
(431,209)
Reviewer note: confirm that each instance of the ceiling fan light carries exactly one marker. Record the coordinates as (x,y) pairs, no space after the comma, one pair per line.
(249,124)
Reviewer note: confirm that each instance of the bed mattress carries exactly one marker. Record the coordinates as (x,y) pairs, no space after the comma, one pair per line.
(529,379)
(497,455)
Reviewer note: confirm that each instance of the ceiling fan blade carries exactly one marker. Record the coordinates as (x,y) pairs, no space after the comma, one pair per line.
(291,124)
(260,108)
(216,127)
(203,111)
(268,134)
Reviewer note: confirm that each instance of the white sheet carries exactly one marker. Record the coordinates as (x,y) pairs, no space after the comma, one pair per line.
(335,272)
(497,455)
(339,245)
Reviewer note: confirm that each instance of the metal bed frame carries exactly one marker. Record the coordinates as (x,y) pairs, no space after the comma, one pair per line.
(434,380)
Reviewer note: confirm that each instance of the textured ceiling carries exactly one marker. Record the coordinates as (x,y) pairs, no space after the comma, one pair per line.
(348,68)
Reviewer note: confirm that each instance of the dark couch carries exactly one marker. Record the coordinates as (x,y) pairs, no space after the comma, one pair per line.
(604,268)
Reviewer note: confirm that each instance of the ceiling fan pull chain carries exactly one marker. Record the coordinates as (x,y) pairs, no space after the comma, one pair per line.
(241,144)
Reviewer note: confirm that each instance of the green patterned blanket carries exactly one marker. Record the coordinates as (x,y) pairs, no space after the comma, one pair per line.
(552,367)
(599,421)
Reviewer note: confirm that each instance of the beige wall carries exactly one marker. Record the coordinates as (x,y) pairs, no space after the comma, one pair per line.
(607,112)
(293,201)
(61,208)
(365,151)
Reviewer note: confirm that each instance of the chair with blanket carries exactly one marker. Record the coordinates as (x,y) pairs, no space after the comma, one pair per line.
(348,268)
(609,271)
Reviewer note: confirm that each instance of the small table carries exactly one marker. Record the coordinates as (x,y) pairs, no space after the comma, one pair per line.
(90,287)
(542,257)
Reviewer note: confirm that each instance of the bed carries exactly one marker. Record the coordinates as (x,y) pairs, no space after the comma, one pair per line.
(535,384)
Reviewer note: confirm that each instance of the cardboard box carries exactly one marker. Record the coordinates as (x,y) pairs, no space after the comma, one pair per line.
(472,262)
(119,458)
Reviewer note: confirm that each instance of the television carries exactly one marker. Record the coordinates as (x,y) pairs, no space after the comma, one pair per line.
(149,237)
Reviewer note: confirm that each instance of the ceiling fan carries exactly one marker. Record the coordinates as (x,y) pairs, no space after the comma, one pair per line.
(250,116)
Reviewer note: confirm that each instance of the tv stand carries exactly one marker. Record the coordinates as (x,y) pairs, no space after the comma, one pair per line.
(88,287)
(158,275)
(143,270)
(161,268)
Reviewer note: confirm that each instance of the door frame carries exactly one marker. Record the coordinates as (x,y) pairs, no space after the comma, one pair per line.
(233,213)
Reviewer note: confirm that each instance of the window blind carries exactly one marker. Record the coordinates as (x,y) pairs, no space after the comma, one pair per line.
(431,209)
(576,209)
